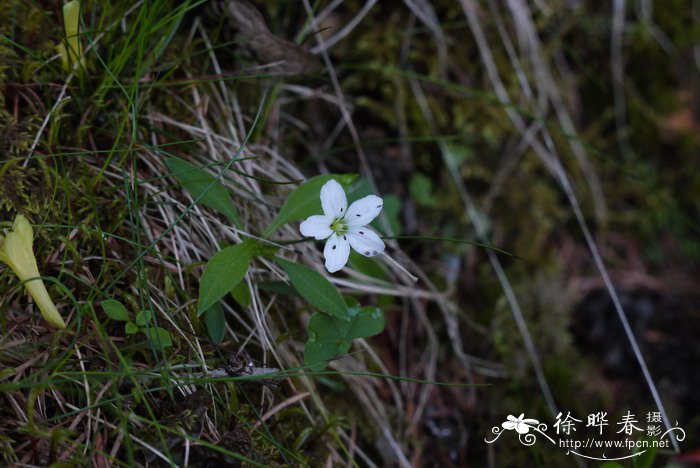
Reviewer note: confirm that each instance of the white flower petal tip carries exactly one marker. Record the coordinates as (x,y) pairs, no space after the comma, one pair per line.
(363,211)
(333,199)
(336,252)
(365,241)
(317,226)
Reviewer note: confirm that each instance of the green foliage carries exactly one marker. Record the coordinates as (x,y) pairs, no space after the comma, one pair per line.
(142,318)
(315,288)
(367,265)
(216,322)
(205,188)
(330,337)
(241,294)
(278,287)
(115,310)
(305,201)
(158,337)
(223,273)
(99,129)
(22,189)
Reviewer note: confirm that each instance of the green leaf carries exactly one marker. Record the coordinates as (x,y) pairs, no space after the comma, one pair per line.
(278,287)
(305,200)
(131,328)
(202,184)
(158,337)
(367,265)
(115,310)
(216,323)
(330,337)
(223,272)
(241,294)
(315,288)
(361,188)
(142,318)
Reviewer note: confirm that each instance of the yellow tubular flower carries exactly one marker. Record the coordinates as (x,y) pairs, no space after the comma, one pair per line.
(16,250)
(71,23)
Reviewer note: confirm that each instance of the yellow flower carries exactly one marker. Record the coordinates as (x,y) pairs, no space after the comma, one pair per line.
(72,51)
(16,250)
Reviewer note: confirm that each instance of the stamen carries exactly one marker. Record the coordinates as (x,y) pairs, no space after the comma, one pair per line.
(339,226)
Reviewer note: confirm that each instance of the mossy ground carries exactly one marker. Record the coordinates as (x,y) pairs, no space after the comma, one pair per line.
(83,159)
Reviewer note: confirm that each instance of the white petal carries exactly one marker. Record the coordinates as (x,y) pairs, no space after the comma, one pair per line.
(336,252)
(522,428)
(333,199)
(508,425)
(365,241)
(364,210)
(317,226)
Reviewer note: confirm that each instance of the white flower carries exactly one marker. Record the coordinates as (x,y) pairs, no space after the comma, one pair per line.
(521,425)
(344,226)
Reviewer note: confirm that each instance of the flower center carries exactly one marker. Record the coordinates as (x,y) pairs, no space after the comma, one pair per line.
(339,226)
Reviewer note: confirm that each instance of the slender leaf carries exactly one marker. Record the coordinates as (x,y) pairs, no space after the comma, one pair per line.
(315,288)
(223,272)
(201,184)
(305,200)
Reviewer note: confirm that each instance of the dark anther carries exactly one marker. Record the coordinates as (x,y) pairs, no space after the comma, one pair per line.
(367,253)
(334,247)
(358,215)
(361,232)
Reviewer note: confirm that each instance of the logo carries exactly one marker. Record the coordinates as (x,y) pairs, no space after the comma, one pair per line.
(634,436)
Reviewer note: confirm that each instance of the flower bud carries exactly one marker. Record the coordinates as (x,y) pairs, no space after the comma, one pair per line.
(16,251)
